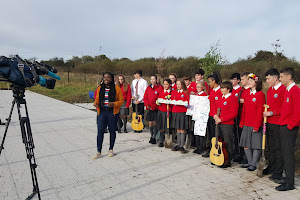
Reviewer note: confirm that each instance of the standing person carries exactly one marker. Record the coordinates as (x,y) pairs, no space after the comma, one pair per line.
(124,110)
(289,126)
(150,97)
(199,75)
(245,85)
(138,88)
(238,152)
(108,101)
(179,118)
(251,121)
(275,97)
(173,78)
(188,83)
(229,110)
(162,111)
(201,91)
(215,95)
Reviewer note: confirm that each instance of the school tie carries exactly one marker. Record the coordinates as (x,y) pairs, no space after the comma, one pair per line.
(136,88)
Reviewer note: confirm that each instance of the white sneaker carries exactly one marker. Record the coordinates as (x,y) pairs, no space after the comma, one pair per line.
(98,155)
(110,153)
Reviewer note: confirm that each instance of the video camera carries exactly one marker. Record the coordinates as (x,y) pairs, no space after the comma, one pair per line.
(26,73)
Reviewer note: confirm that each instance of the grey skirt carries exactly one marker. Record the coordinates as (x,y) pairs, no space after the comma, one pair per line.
(162,121)
(180,121)
(151,115)
(250,139)
(124,110)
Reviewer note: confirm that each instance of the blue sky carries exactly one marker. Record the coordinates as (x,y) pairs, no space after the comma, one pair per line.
(140,28)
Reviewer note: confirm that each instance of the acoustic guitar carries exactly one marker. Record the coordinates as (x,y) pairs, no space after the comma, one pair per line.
(137,122)
(218,153)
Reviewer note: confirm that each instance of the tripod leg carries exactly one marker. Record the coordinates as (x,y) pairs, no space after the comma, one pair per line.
(6,127)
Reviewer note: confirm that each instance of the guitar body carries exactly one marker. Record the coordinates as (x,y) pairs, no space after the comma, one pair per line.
(137,122)
(218,153)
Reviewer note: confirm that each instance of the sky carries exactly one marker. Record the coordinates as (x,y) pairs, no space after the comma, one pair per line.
(138,28)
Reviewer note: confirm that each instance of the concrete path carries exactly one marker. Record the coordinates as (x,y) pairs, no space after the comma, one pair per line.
(65,139)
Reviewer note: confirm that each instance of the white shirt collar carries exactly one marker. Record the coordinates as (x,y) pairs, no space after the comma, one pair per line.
(252,92)
(199,81)
(200,93)
(290,86)
(188,86)
(236,87)
(180,90)
(167,90)
(216,89)
(173,84)
(277,86)
(227,95)
(246,88)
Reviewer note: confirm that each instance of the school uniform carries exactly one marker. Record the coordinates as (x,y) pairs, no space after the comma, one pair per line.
(192,88)
(138,88)
(252,119)
(124,110)
(214,97)
(150,97)
(199,139)
(179,118)
(238,151)
(194,85)
(289,125)
(162,111)
(229,111)
(275,97)
(174,86)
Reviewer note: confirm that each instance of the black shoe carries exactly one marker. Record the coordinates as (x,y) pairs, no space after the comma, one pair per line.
(197,151)
(183,151)
(125,130)
(284,187)
(151,140)
(175,148)
(267,171)
(279,180)
(206,155)
(225,166)
(135,131)
(245,166)
(161,144)
(119,131)
(251,168)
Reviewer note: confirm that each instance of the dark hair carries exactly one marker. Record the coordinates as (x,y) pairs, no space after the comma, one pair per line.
(235,75)
(168,80)
(173,74)
(139,72)
(272,72)
(112,91)
(245,74)
(187,78)
(259,84)
(200,71)
(228,85)
(289,71)
(154,76)
(216,76)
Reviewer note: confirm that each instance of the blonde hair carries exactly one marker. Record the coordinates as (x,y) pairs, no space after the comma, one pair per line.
(125,85)
(202,84)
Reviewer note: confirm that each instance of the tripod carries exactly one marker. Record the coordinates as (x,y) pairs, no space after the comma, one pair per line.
(19,94)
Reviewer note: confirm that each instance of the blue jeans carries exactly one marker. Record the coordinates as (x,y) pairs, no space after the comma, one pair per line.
(106,118)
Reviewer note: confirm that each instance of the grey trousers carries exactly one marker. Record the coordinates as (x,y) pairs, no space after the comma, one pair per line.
(226,132)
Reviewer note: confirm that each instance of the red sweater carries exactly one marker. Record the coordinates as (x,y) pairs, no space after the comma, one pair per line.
(252,113)
(275,100)
(203,94)
(194,84)
(174,87)
(163,107)
(229,109)
(192,88)
(236,92)
(290,113)
(184,96)
(214,97)
(126,95)
(151,95)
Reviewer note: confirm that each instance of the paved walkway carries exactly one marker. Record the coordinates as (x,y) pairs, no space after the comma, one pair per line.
(65,139)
